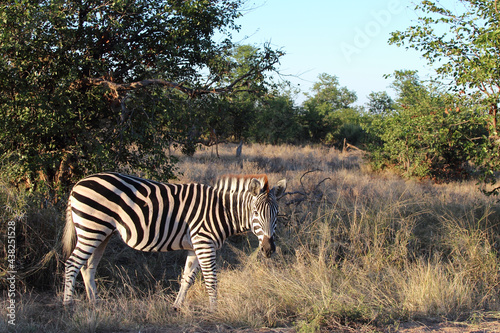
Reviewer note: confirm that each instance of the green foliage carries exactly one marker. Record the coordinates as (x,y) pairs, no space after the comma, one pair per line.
(464,44)
(316,124)
(237,115)
(380,103)
(238,111)
(430,134)
(328,114)
(330,96)
(277,120)
(67,103)
(470,47)
(350,129)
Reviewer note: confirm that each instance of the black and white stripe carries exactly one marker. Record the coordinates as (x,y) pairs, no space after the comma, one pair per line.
(152,216)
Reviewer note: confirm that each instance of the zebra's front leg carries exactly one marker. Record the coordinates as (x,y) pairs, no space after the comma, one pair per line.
(190,269)
(207,259)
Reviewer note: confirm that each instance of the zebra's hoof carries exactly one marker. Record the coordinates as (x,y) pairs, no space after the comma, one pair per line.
(68,303)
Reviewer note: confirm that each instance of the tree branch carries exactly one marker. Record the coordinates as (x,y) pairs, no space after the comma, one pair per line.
(116,88)
(239,84)
(123,87)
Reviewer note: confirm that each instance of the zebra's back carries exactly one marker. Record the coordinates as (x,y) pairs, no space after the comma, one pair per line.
(150,216)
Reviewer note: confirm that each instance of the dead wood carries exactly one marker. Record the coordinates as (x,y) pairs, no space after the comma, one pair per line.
(304,194)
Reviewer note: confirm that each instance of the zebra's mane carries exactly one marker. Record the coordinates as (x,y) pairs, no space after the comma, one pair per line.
(240,182)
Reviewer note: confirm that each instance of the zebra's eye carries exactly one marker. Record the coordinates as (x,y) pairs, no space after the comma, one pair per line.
(255,213)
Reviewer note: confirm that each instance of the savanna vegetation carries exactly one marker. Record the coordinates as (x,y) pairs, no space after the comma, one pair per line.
(355,250)
(390,215)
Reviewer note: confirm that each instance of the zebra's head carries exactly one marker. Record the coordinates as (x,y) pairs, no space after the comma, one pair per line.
(265,212)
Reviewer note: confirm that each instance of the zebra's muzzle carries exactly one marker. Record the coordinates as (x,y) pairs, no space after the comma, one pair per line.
(268,246)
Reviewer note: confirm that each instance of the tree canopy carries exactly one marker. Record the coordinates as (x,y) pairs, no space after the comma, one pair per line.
(464,45)
(91,86)
(82,84)
(325,107)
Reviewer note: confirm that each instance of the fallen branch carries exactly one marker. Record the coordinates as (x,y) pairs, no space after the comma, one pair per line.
(347,145)
(304,193)
(305,173)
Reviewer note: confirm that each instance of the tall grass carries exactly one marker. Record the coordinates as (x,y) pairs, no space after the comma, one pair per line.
(355,249)
(37,225)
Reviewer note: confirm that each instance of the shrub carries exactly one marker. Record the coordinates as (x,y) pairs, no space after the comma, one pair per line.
(431,134)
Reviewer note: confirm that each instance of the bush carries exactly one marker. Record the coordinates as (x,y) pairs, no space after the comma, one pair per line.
(431,134)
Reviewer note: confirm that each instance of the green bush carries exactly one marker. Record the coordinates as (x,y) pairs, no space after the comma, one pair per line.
(431,134)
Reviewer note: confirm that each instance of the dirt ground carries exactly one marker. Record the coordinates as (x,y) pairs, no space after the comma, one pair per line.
(481,322)
(486,325)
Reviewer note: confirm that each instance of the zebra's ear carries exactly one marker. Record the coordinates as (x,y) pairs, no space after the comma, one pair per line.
(279,189)
(255,187)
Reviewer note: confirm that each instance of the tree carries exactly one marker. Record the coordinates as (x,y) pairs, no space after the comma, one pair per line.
(242,108)
(380,103)
(82,84)
(430,134)
(277,118)
(326,108)
(468,53)
(329,94)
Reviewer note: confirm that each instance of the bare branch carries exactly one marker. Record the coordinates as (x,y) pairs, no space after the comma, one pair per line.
(305,173)
(123,87)
(304,193)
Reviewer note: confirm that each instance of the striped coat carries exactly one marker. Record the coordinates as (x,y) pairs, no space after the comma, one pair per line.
(153,216)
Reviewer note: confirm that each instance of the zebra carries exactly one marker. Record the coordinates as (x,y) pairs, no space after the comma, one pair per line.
(152,216)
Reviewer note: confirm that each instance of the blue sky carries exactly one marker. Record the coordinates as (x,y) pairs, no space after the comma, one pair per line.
(347,39)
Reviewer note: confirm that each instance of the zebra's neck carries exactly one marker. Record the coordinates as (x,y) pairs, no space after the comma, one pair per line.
(234,189)
(238,209)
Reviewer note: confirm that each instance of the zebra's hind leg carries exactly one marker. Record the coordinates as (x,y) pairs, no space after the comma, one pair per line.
(79,257)
(190,269)
(89,269)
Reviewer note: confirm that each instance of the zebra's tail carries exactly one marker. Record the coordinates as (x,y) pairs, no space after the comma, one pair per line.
(69,234)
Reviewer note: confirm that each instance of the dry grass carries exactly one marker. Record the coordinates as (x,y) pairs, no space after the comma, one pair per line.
(355,250)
